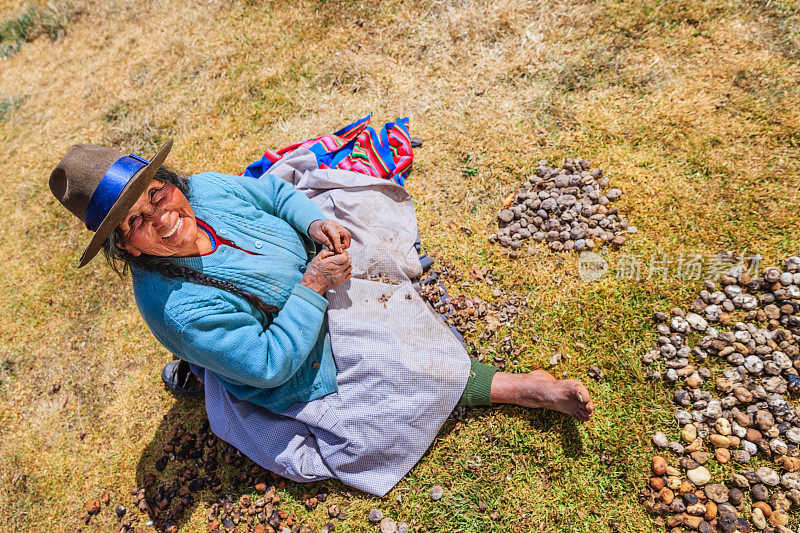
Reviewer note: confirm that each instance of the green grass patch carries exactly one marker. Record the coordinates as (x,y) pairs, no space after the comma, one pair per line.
(50,20)
(8,106)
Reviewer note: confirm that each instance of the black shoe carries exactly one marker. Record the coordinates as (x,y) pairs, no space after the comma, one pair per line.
(179,379)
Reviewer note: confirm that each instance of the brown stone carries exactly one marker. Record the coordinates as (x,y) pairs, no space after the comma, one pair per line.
(765,508)
(722,455)
(659,465)
(711,511)
(687,487)
(694,446)
(676,520)
(92,507)
(753,435)
(719,441)
(666,496)
(694,381)
(792,464)
(743,419)
(692,521)
(764,419)
(742,394)
(657,483)
(701,457)
(778,518)
(689,433)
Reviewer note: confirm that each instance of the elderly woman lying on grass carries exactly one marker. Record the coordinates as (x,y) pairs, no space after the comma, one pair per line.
(304,370)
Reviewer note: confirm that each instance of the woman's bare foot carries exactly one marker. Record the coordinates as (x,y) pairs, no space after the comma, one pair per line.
(540,389)
(542,374)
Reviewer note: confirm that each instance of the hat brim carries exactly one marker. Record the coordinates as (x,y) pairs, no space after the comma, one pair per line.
(135,187)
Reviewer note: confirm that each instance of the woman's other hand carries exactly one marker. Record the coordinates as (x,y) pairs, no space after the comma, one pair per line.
(331,234)
(327,270)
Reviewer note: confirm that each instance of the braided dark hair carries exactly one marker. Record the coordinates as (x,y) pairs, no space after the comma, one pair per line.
(121,260)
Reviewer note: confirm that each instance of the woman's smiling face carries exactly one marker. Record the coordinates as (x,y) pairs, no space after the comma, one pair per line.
(161,223)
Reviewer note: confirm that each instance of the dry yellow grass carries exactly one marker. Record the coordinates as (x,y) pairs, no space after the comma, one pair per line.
(692,108)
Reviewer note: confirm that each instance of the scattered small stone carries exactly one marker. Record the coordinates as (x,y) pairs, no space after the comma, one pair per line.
(375,516)
(388,525)
(660,440)
(436,493)
(595,372)
(92,507)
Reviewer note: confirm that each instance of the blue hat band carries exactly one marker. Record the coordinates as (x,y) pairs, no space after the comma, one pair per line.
(110,187)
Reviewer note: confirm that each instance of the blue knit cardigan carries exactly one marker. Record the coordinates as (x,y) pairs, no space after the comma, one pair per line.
(271,360)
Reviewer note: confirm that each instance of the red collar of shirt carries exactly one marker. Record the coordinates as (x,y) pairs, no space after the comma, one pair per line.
(216,240)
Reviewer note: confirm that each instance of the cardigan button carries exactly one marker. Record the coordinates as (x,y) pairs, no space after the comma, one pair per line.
(223,231)
(302,269)
(258,244)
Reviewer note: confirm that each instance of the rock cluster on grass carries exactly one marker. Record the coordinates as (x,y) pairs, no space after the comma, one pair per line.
(569,208)
(750,329)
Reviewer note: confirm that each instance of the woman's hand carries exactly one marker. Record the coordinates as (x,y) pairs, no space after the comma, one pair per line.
(331,234)
(326,271)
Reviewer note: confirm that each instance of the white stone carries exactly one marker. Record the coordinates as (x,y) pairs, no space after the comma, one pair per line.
(679,324)
(753,364)
(768,476)
(696,322)
(699,476)
(759,521)
(713,312)
(793,435)
(388,525)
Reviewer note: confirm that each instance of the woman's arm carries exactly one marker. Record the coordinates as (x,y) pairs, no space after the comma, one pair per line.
(234,345)
(278,197)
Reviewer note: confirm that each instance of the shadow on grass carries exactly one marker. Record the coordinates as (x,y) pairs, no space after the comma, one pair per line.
(186,465)
(564,425)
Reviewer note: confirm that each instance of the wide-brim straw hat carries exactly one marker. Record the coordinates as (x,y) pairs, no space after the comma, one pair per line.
(99,185)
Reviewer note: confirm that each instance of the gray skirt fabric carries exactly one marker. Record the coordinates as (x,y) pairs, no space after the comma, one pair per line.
(400,369)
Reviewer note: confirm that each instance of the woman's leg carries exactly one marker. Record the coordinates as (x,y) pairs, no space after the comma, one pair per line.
(540,389)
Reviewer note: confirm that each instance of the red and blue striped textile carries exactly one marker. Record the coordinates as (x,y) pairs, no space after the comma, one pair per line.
(356,147)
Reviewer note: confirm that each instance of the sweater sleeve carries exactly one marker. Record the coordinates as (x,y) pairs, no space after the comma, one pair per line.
(278,197)
(234,344)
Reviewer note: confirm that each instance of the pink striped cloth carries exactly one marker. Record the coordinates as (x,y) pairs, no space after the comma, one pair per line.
(387,154)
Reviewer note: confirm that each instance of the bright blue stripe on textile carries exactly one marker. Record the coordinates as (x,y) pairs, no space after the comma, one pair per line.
(402,123)
(108,190)
(343,152)
(258,168)
(383,149)
(321,153)
(355,124)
